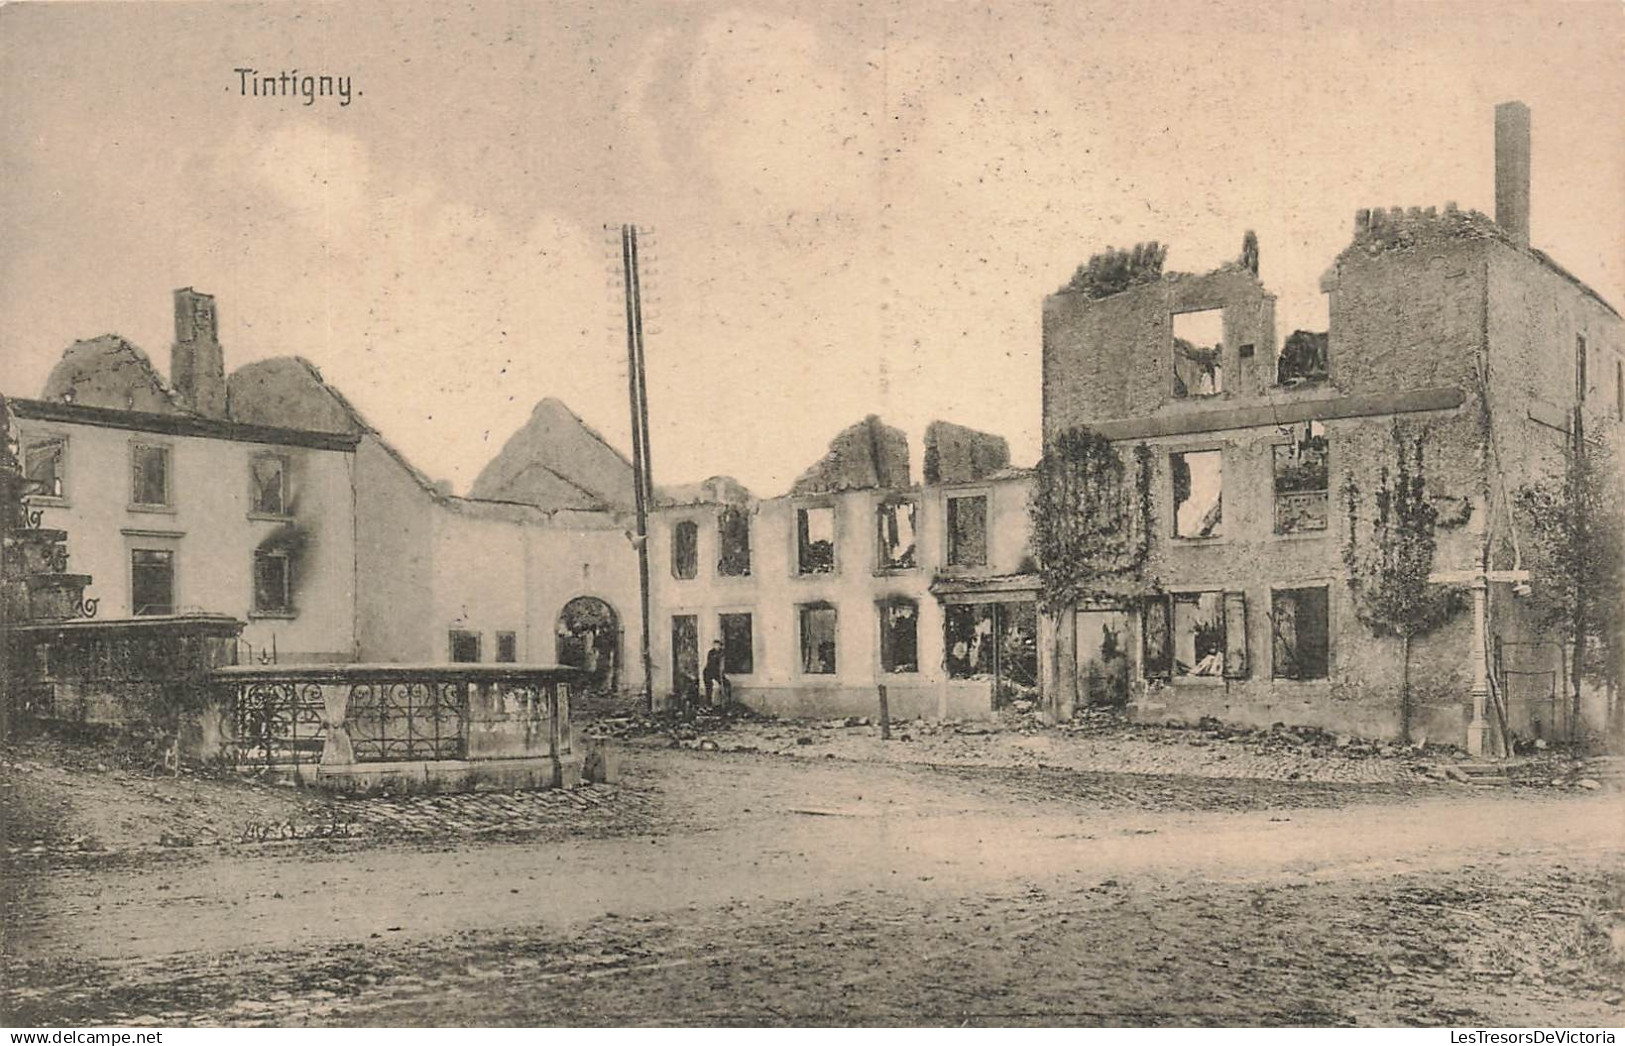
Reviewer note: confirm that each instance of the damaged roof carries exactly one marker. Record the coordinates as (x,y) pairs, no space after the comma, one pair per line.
(863,456)
(110,371)
(556,461)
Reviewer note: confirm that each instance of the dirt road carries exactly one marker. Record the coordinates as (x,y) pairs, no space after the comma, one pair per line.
(755,889)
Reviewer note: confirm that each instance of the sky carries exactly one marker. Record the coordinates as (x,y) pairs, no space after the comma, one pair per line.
(853,208)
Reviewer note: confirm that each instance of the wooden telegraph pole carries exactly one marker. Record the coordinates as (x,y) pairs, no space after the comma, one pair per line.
(642,474)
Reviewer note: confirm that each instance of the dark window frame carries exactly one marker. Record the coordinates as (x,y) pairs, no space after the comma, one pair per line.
(890,663)
(137,475)
(685,553)
(454,636)
(1316,666)
(255,507)
(507,647)
(803,616)
(807,564)
(1159,637)
(1299,450)
(30,447)
(953,556)
(286,609)
(1173,354)
(1176,501)
(733,556)
(732,664)
(911,559)
(147,608)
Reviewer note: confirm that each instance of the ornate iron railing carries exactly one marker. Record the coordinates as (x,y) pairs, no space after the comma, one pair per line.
(293,715)
(275,723)
(407,719)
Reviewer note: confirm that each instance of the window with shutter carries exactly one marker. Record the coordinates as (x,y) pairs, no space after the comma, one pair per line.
(1157,658)
(1235,635)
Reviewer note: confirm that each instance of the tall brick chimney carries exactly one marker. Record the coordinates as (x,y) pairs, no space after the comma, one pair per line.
(1512,170)
(197,366)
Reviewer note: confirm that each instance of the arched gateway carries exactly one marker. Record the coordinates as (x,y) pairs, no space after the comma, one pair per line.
(589,637)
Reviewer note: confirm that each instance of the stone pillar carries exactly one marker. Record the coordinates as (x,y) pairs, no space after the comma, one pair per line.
(1479,727)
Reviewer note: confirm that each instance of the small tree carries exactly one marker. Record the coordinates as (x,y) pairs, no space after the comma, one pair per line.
(1388,569)
(1113,271)
(1091,524)
(1576,532)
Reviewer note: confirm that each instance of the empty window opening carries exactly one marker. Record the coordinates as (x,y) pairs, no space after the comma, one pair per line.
(895,524)
(1302,480)
(268,478)
(815,540)
(1199,353)
(149,475)
(1300,631)
(818,636)
(738,649)
(968,639)
(465,646)
(733,537)
(42,465)
(507,647)
(1303,358)
(1198,493)
(1199,635)
(997,641)
(152,581)
(1103,656)
(273,583)
(899,635)
(967,531)
(685,550)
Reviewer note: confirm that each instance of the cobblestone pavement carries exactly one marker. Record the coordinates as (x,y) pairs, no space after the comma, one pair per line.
(54,806)
(746,889)
(585,810)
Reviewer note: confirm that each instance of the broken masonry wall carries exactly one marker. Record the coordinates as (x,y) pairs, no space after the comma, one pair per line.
(1113,358)
(1407,316)
(1406,330)
(554,444)
(109,372)
(1359,694)
(1535,317)
(866,455)
(774,592)
(956,454)
(287,392)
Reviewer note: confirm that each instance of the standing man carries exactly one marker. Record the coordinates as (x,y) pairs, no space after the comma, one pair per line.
(716,673)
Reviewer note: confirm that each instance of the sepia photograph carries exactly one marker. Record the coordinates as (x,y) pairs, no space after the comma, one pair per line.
(672,514)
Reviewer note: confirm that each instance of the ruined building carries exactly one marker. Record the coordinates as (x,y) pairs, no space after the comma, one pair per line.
(266,496)
(1444,325)
(856,578)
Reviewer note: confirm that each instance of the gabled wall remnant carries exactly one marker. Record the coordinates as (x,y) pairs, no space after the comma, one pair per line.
(956,454)
(866,455)
(555,451)
(286,391)
(109,372)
